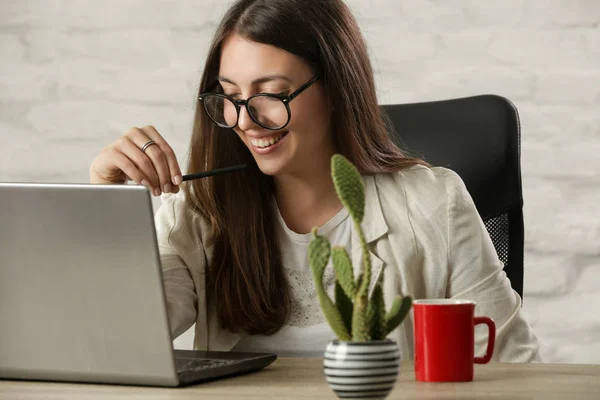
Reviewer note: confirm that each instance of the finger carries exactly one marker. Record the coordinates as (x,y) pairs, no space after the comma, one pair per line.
(175,171)
(129,168)
(156,155)
(162,167)
(141,161)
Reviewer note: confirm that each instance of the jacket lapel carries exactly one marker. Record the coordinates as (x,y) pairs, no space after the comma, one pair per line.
(374,227)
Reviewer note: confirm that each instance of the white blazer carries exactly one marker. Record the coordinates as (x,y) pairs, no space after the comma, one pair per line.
(425,235)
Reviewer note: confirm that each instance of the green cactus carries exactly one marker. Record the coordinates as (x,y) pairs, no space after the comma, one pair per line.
(360,327)
(400,308)
(344,305)
(353,316)
(376,313)
(318,255)
(348,186)
(343,269)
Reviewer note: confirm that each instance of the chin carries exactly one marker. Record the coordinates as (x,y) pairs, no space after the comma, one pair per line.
(270,168)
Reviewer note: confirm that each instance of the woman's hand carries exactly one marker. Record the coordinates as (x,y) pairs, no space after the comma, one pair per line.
(122,160)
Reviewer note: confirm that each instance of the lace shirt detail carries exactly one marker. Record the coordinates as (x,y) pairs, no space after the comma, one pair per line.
(305,309)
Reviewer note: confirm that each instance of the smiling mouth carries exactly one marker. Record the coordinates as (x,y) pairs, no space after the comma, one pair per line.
(264,143)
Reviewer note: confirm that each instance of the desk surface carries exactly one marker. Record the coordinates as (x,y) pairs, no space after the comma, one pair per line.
(290,378)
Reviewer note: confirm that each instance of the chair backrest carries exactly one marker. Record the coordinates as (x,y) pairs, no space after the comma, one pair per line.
(479,138)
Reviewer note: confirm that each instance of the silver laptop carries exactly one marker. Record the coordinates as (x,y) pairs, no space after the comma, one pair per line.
(81,293)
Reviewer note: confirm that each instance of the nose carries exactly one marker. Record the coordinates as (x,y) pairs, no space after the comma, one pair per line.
(245,122)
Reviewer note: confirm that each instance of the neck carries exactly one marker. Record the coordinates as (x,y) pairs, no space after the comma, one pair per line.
(307,199)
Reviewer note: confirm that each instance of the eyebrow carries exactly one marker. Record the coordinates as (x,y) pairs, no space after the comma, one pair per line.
(263,79)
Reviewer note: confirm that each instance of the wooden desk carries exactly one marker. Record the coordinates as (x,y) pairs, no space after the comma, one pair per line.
(290,378)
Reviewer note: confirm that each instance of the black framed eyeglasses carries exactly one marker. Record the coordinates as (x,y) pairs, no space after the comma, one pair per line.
(271,111)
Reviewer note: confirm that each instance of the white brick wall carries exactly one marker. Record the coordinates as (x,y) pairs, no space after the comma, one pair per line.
(74,75)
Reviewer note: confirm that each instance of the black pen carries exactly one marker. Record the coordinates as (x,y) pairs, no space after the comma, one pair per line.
(218,171)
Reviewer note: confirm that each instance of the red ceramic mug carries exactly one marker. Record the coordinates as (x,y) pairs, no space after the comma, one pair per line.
(444,337)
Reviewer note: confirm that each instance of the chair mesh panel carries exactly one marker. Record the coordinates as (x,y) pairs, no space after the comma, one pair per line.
(497,227)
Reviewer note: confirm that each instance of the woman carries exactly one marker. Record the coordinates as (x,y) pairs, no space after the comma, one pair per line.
(233,247)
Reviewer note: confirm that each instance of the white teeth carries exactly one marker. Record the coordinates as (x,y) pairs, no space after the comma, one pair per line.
(266,142)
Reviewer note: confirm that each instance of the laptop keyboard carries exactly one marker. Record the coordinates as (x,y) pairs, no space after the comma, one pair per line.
(198,364)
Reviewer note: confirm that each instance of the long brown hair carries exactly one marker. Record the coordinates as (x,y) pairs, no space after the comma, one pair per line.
(246,279)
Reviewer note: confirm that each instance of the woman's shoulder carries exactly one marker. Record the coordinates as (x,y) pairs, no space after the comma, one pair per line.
(420,181)
(423,193)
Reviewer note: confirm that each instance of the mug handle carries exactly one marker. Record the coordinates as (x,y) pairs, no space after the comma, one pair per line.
(491,339)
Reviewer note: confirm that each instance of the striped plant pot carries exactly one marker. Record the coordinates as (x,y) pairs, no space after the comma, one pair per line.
(356,370)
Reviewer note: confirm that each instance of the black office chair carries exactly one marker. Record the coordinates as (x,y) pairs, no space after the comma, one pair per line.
(480,139)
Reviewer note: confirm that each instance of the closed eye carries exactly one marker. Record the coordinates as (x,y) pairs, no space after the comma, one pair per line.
(273,98)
